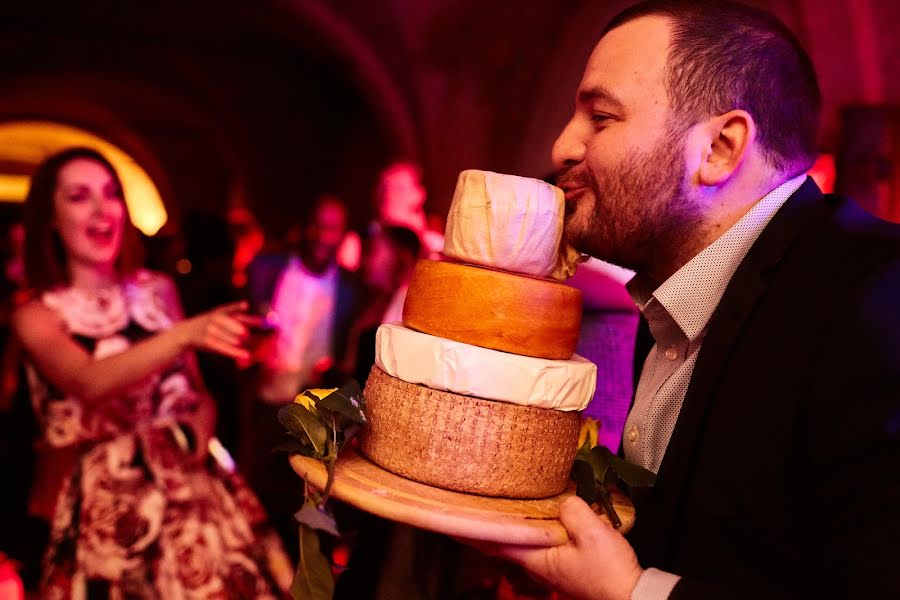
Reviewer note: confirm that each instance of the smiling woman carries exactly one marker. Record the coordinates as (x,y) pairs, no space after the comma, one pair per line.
(23,144)
(128,474)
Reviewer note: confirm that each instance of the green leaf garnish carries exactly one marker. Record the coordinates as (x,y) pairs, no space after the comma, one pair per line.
(630,474)
(346,401)
(313,580)
(317,517)
(320,432)
(303,424)
(605,499)
(294,445)
(583,476)
(597,469)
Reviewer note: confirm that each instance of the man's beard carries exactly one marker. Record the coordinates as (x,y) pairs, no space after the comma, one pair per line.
(641,210)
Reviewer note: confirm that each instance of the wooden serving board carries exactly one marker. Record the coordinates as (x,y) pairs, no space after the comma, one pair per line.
(367,486)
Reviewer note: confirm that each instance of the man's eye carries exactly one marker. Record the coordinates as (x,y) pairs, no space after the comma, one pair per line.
(600,119)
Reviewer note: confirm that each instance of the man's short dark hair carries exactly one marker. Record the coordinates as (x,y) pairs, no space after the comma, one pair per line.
(725,56)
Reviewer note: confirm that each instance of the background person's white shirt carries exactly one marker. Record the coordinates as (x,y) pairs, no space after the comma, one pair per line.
(303,304)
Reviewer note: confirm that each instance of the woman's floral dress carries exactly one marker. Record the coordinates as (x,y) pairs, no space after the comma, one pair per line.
(134,520)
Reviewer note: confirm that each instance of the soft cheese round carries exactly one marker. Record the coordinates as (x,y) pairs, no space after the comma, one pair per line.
(442,364)
(511,223)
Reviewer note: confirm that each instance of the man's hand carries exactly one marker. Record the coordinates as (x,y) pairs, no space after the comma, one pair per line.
(597,563)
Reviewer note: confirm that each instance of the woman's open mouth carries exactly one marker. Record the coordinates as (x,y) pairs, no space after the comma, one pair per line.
(102,233)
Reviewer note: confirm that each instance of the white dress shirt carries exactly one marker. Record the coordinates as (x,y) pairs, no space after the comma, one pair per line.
(303,303)
(678,312)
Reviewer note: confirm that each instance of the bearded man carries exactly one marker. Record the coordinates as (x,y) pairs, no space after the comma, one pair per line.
(770,404)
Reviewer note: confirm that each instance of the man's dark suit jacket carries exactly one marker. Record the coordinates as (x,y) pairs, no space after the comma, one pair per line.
(263,275)
(782,475)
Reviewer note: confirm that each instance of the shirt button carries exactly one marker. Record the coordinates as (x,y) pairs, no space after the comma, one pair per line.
(671,353)
(633,434)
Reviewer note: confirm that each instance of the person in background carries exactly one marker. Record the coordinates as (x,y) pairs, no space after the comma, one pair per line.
(400,202)
(389,257)
(310,303)
(209,253)
(138,505)
(249,240)
(389,254)
(309,300)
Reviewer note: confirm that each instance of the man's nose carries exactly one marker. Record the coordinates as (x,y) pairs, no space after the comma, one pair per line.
(568,148)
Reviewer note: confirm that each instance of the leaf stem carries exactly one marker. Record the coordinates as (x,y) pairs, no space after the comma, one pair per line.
(606,501)
(332,459)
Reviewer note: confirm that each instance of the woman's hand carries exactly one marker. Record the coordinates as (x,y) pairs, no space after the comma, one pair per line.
(75,372)
(223,330)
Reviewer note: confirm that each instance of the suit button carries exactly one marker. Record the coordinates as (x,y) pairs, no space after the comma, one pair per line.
(633,434)
(671,353)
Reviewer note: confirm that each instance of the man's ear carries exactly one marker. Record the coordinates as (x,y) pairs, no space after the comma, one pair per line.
(730,137)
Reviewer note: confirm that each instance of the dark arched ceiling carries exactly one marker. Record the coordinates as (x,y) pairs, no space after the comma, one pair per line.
(224,102)
(276,101)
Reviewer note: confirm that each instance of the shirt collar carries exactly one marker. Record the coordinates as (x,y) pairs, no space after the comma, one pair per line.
(328,275)
(692,293)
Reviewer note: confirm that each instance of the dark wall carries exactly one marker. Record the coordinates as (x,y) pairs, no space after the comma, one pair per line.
(275,101)
(211,98)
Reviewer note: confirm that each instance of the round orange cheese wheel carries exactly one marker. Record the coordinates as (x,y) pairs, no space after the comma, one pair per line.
(494,309)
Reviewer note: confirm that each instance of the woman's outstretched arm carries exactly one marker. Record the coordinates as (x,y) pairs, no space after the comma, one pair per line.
(65,364)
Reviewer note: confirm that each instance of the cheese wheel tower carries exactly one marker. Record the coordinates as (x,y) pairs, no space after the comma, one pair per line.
(479,390)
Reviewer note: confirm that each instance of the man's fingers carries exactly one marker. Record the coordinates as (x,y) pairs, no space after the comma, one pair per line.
(580,521)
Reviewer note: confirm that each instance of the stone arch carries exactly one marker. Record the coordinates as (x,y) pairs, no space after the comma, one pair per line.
(24,144)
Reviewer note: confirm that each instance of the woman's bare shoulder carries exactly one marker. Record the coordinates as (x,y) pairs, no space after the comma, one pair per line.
(33,317)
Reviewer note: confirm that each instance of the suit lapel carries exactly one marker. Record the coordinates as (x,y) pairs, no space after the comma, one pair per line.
(658,514)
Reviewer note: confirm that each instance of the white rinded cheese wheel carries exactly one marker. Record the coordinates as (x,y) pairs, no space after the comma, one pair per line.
(443,364)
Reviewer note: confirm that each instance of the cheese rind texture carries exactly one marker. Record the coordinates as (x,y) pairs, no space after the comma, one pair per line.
(459,368)
(511,223)
(494,309)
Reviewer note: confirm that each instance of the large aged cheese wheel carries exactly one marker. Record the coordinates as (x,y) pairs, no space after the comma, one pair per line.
(494,309)
(467,444)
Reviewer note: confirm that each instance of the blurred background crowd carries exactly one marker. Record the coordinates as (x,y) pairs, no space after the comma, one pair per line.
(301,155)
